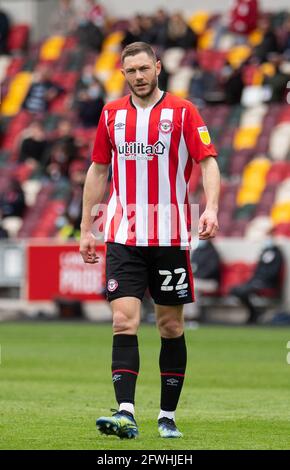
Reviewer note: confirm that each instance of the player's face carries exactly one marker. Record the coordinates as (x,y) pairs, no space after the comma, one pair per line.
(141,73)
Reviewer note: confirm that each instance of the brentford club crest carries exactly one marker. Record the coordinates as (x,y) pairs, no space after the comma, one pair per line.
(112,285)
(165,126)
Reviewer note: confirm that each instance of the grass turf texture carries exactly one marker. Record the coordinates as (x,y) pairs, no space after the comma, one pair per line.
(55,381)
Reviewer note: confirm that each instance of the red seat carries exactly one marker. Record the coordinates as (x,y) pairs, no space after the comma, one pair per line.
(67,80)
(284,115)
(18,37)
(211,60)
(233,274)
(282,230)
(278,172)
(15,66)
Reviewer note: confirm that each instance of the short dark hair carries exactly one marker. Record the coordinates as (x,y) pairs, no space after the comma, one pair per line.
(135,48)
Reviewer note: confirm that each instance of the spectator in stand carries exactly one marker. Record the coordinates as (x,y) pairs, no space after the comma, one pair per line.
(91,30)
(96,14)
(278,80)
(63,151)
(70,223)
(3,232)
(269,42)
(64,19)
(285,39)
(87,77)
(34,145)
(90,103)
(4,32)
(12,201)
(148,32)
(206,268)
(265,281)
(160,20)
(232,81)
(179,34)
(42,91)
(133,33)
(244,16)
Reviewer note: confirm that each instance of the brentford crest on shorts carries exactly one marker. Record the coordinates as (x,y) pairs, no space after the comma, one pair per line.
(112,285)
(152,151)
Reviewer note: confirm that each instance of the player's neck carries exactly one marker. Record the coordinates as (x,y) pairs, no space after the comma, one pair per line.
(148,100)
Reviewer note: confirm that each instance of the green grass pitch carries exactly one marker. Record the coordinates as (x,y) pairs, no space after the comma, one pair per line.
(55,381)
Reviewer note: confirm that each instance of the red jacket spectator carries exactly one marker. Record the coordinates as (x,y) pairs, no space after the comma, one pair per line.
(244,16)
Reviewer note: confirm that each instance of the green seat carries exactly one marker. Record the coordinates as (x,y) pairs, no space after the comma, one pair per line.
(4,157)
(235,116)
(244,212)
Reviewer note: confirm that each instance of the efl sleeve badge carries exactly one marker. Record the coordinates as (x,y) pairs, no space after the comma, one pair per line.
(204,135)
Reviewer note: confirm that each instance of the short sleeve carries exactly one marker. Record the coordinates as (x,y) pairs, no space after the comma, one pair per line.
(196,136)
(102,151)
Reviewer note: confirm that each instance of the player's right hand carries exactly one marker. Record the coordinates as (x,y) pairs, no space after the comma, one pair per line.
(88,244)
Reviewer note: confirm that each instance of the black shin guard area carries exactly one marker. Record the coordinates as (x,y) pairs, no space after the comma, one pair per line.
(172,364)
(125,367)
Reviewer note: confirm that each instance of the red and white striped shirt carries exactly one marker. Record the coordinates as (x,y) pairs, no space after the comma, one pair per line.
(152,152)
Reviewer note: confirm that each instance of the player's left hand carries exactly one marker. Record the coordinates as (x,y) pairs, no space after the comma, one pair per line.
(208,224)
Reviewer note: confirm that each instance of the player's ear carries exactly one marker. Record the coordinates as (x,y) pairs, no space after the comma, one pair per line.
(123,72)
(158,67)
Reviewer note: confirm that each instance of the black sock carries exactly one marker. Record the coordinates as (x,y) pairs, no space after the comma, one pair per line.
(172,362)
(125,367)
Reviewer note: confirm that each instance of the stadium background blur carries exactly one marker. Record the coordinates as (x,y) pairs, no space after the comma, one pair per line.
(59,63)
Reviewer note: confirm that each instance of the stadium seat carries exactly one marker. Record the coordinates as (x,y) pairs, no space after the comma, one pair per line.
(233,274)
(206,39)
(282,229)
(283,192)
(115,84)
(18,37)
(172,58)
(246,137)
(12,225)
(238,161)
(254,180)
(179,82)
(113,41)
(31,189)
(51,48)
(18,90)
(5,61)
(284,115)
(105,64)
(255,37)
(279,144)
(253,117)
(258,228)
(198,21)
(244,212)
(211,60)
(280,213)
(278,172)
(237,55)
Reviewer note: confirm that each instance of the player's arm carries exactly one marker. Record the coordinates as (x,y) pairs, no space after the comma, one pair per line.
(94,189)
(202,151)
(208,222)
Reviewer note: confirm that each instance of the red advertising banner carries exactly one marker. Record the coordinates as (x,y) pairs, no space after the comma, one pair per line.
(59,271)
